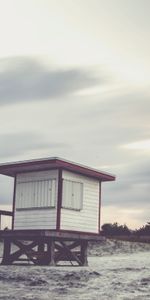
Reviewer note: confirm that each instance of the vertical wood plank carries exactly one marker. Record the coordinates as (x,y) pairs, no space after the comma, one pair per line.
(14,199)
(99,215)
(59,200)
(51,251)
(84,247)
(6,252)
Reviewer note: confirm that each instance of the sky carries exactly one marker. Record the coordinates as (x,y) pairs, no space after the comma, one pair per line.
(74,83)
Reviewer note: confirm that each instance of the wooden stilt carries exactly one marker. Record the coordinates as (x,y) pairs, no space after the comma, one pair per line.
(40,254)
(51,251)
(6,252)
(84,247)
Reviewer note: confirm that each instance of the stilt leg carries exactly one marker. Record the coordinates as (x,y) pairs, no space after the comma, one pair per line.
(6,252)
(41,257)
(84,246)
(51,251)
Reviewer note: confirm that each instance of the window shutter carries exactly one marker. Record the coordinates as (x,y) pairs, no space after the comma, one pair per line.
(36,194)
(72,195)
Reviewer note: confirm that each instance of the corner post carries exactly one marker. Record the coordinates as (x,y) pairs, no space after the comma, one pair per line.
(84,246)
(59,200)
(14,196)
(6,252)
(99,213)
(51,252)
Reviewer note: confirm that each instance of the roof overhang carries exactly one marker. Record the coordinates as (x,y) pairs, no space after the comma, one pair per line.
(11,169)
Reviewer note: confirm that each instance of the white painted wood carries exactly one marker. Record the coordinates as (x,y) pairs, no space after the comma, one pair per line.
(72,194)
(87,218)
(35,219)
(36,190)
(36,193)
(33,189)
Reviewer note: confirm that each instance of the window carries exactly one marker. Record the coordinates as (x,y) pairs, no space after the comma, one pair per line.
(36,194)
(72,195)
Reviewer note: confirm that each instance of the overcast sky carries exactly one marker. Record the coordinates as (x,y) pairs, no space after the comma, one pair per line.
(74,83)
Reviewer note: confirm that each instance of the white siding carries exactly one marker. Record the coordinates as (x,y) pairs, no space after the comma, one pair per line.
(36,194)
(87,218)
(39,192)
(72,194)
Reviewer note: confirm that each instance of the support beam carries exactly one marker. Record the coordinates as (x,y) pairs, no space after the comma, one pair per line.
(48,251)
(84,247)
(14,196)
(46,247)
(51,251)
(6,252)
(59,200)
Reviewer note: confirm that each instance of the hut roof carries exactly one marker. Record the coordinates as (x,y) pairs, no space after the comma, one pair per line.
(13,168)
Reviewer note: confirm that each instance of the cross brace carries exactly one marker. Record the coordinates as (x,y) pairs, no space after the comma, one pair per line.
(45,251)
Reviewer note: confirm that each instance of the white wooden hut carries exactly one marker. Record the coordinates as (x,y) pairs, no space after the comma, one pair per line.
(56,195)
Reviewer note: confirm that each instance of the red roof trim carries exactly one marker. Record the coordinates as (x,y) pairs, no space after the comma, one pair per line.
(11,169)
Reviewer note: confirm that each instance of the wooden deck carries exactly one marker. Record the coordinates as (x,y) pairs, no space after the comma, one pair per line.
(24,234)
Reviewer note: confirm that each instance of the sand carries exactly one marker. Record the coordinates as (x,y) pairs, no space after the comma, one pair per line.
(117,270)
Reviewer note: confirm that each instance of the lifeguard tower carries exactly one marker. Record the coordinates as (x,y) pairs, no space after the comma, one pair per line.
(56,211)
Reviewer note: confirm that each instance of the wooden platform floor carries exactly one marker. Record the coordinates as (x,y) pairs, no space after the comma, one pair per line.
(67,235)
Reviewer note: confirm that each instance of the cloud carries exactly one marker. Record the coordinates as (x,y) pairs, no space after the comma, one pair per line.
(95,126)
(6,190)
(143,145)
(26,79)
(17,144)
(131,189)
(127,113)
(107,123)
